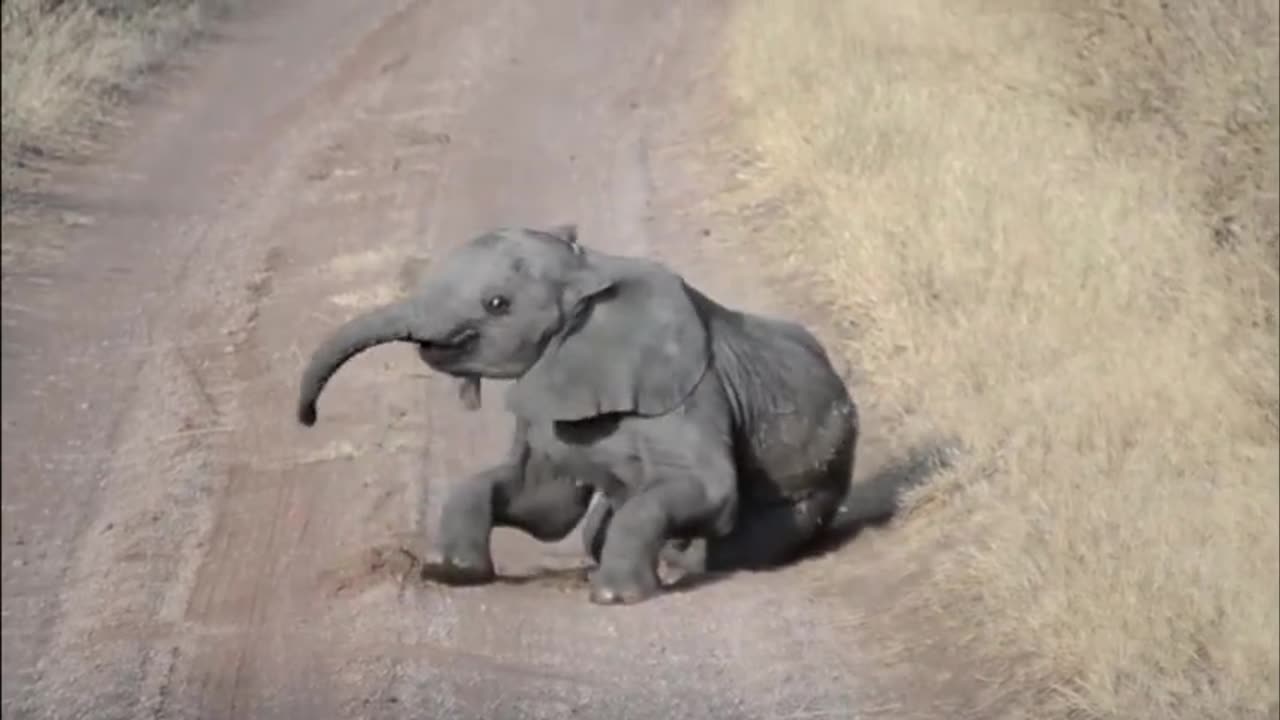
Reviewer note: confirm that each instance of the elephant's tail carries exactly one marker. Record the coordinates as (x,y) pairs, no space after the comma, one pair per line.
(875,500)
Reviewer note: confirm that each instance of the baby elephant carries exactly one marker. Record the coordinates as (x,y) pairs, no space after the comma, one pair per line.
(719,439)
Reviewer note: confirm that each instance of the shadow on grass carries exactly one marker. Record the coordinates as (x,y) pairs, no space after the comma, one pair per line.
(874,501)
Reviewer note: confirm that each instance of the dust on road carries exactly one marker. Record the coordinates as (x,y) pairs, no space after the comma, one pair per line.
(179,547)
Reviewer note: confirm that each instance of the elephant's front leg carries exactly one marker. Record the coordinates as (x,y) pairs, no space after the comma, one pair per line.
(530,497)
(466,522)
(687,555)
(679,504)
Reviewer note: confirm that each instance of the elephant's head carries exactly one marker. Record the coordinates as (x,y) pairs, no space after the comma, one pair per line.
(584,333)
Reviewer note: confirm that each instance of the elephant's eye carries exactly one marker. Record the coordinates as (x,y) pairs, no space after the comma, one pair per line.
(497,305)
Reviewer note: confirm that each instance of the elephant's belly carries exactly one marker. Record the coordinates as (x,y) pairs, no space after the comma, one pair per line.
(621,457)
(607,465)
(600,475)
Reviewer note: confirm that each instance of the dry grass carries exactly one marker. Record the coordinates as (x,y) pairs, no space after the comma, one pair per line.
(66,62)
(1054,225)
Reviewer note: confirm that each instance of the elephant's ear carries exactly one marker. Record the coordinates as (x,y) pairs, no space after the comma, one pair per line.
(634,342)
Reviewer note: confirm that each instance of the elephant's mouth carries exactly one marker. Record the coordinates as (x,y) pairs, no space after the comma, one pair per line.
(449,348)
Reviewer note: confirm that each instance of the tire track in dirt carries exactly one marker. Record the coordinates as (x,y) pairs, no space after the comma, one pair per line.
(298,516)
(277,581)
(125,514)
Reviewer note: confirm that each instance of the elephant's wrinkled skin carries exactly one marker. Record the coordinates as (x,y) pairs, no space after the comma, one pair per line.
(695,421)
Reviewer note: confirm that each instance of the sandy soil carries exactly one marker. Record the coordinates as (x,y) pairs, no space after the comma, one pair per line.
(176,546)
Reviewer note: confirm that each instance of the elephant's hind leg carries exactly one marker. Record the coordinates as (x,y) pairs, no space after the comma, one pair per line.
(765,536)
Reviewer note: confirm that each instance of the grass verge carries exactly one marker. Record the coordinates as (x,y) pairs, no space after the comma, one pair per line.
(67,62)
(1055,228)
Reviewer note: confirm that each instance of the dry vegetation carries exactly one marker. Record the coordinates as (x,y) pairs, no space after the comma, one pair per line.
(67,61)
(1055,227)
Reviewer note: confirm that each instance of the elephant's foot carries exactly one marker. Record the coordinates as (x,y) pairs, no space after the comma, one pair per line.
(616,588)
(459,571)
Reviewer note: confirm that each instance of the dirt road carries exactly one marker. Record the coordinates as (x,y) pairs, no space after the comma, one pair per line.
(176,546)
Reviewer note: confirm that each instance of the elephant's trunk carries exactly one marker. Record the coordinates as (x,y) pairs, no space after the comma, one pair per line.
(390,323)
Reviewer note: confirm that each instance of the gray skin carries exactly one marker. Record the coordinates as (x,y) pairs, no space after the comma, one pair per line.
(719,439)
